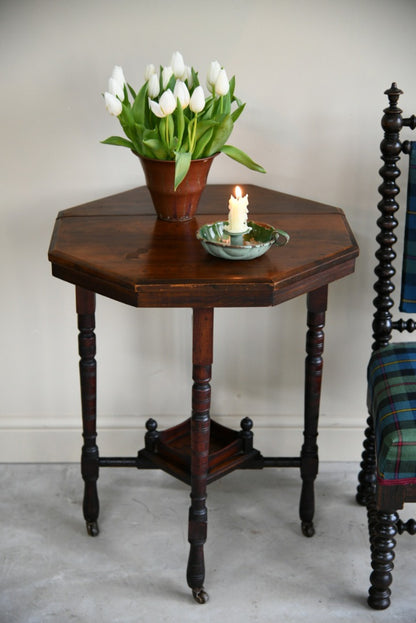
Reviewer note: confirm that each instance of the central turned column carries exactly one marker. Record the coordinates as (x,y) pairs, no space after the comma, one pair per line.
(203,320)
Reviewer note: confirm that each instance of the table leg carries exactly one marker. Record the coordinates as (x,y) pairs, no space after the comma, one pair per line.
(200,434)
(85,304)
(316,306)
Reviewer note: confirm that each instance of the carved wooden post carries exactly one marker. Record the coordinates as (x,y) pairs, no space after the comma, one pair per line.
(85,303)
(367,476)
(200,434)
(316,304)
(382,557)
(390,147)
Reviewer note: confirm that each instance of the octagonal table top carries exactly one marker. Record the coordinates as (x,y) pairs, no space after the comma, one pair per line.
(117,247)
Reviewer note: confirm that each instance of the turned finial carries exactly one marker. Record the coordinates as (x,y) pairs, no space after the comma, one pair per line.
(393,93)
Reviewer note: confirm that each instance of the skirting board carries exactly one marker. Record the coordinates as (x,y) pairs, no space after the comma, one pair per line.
(48,443)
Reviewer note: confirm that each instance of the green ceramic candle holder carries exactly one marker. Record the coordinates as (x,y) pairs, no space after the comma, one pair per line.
(252,243)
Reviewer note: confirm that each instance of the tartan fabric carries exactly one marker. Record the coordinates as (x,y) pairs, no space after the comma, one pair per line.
(392,403)
(408,293)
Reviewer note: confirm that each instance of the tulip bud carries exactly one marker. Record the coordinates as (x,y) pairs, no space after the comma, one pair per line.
(167,73)
(221,84)
(166,105)
(116,89)
(167,102)
(118,75)
(213,71)
(112,104)
(177,64)
(153,86)
(155,108)
(197,101)
(149,71)
(181,93)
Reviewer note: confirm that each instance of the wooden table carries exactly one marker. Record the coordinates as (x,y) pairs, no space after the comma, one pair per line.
(116,247)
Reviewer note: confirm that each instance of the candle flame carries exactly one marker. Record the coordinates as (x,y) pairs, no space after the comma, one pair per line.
(237,192)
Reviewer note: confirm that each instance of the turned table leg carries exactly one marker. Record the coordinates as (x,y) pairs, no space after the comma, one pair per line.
(316,305)
(200,435)
(85,304)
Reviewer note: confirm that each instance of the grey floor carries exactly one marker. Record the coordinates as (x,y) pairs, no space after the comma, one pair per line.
(259,567)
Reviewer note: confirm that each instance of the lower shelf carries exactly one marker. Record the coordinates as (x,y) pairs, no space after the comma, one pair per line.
(170,450)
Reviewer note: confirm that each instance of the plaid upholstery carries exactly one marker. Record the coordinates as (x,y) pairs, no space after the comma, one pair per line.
(392,403)
(408,294)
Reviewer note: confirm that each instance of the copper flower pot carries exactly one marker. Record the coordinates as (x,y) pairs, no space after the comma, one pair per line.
(180,204)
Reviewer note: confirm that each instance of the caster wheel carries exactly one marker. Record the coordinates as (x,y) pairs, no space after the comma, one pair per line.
(308,528)
(92,528)
(200,596)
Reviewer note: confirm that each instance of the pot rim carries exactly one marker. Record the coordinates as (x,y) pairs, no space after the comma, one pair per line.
(173,161)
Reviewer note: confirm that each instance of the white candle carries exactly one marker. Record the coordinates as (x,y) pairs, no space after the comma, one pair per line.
(237,212)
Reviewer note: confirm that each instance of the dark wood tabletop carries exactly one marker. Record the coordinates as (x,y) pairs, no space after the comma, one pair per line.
(116,246)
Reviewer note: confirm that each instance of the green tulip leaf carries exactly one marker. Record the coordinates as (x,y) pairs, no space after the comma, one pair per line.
(207,113)
(118,140)
(225,109)
(183,161)
(139,105)
(232,88)
(194,79)
(220,135)
(132,92)
(203,126)
(157,148)
(125,100)
(180,124)
(241,157)
(202,144)
(237,112)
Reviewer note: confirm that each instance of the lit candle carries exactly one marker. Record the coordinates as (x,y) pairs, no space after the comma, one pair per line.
(237,215)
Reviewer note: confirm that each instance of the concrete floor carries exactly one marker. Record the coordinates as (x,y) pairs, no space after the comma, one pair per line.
(258,565)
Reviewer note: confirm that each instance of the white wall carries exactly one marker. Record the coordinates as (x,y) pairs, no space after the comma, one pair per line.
(313,74)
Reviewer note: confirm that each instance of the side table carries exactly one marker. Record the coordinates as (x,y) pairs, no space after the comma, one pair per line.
(117,247)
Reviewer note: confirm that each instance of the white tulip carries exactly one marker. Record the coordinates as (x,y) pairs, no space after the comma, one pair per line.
(118,75)
(115,88)
(197,101)
(221,84)
(167,102)
(166,105)
(213,71)
(112,104)
(177,64)
(181,93)
(149,71)
(167,73)
(155,108)
(153,86)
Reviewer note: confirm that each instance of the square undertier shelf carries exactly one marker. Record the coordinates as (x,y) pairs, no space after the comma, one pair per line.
(172,451)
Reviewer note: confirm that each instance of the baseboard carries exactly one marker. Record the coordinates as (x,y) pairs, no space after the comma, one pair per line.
(51,442)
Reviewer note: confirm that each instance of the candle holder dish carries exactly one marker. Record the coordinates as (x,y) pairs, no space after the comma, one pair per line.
(256,240)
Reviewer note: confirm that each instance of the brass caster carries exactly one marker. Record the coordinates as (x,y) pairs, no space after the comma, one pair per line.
(200,596)
(92,528)
(308,528)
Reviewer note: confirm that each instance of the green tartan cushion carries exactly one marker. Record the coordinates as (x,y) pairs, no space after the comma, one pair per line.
(392,403)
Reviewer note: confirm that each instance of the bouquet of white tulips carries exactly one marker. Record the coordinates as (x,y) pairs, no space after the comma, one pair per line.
(171,119)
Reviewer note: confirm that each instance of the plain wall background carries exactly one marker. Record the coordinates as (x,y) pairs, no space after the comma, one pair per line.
(313,74)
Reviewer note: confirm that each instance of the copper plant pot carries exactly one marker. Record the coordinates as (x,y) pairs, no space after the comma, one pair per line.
(180,204)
